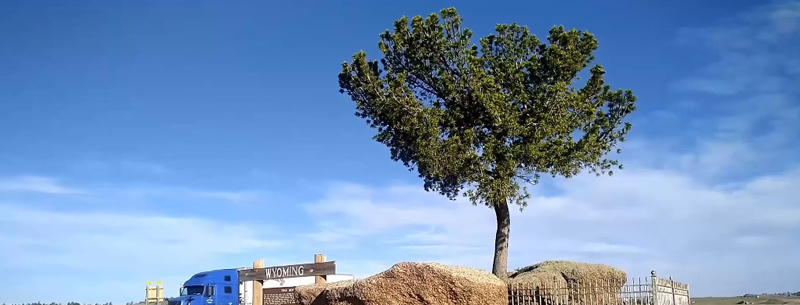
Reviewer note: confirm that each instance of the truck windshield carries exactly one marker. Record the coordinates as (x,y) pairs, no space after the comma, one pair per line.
(192,290)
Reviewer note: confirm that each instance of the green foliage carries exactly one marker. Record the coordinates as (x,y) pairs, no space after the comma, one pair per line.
(491,115)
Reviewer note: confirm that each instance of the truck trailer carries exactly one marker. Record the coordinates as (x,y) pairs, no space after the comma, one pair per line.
(224,287)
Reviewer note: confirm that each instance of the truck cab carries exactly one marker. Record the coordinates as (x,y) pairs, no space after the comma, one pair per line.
(216,287)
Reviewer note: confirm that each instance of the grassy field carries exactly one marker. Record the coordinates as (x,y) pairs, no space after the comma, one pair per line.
(764,299)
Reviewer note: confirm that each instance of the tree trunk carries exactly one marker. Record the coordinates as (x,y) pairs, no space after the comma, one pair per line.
(500,265)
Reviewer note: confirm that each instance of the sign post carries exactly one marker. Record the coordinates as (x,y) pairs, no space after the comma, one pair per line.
(258,285)
(320,279)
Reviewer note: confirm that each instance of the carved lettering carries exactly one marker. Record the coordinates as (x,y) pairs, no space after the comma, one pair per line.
(287,271)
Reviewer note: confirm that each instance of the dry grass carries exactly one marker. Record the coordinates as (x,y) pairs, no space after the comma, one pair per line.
(766,300)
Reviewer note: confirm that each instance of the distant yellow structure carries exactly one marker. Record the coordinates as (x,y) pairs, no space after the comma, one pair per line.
(154,294)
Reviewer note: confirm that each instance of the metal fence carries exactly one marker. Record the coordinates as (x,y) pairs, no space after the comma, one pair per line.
(650,290)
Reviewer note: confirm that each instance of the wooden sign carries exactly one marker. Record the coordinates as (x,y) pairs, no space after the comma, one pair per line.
(288,271)
(280,296)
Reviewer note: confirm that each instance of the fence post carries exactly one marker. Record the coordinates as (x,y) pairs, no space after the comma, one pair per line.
(654,287)
(319,279)
(672,288)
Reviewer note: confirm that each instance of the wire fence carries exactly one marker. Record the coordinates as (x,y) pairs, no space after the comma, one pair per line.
(650,290)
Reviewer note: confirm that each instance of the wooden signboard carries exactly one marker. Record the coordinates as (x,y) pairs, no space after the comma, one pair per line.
(288,271)
(280,296)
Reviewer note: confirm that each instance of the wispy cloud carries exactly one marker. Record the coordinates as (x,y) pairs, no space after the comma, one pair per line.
(606,248)
(131,248)
(228,196)
(751,109)
(674,219)
(36,184)
(146,233)
(101,164)
(231,196)
(60,239)
(640,219)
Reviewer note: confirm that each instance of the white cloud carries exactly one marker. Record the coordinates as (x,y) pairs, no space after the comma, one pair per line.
(113,247)
(113,236)
(609,248)
(36,184)
(751,89)
(637,220)
(229,196)
(121,236)
(120,233)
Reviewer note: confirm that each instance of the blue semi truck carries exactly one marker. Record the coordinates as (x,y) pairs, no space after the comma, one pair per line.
(234,286)
(215,287)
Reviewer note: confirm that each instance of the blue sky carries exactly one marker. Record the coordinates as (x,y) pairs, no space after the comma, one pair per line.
(151,140)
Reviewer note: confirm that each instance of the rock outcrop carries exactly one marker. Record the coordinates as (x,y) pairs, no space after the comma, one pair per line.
(565,282)
(412,284)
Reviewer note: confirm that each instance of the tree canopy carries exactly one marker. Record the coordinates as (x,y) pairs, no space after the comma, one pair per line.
(483,120)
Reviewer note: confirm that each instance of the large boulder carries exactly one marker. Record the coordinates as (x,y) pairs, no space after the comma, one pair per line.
(566,282)
(412,284)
